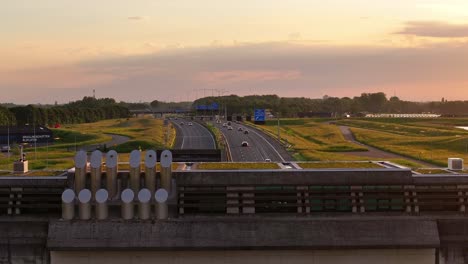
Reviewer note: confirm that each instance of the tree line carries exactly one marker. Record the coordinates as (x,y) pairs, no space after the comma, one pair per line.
(89,109)
(334,106)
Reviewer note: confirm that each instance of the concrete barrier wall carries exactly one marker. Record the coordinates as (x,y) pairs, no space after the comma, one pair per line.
(402,256)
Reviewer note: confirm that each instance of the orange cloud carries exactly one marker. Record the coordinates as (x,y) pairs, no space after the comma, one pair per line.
(220,77)
(55,78)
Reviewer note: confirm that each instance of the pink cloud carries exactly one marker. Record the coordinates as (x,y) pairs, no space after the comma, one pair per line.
(220,77)
(55,78)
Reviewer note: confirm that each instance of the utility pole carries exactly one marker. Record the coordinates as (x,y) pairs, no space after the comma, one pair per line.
(277,117)
(35,139)
(8,139)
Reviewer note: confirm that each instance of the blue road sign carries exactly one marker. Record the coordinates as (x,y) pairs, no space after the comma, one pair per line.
(259,115)
(213,106)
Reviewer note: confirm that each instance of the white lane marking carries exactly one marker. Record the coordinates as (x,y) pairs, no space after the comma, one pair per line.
(183,137)
(227,142)
(268,144)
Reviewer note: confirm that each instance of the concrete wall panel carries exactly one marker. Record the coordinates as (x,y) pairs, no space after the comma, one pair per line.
(381,256)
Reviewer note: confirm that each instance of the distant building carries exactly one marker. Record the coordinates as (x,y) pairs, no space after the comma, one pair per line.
(25,135)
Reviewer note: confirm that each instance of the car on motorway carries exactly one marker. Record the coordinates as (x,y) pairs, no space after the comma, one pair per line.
(228,123)
(218,121)
(267,160)
(181,123)
(245,144)
(5,148)
(190,124)
(229,127)
(246,132)
(239,129)
(225,124)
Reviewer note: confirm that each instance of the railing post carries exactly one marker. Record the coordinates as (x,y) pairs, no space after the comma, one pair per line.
(462,194)
(357,199)
(409,201)
(302,197)
(232,198)
(181,200)
(248,198)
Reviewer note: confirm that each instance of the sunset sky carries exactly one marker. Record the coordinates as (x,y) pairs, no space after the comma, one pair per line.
(60,50)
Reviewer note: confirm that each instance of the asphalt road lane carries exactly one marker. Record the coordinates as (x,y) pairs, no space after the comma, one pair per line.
(261,146)
(192,137)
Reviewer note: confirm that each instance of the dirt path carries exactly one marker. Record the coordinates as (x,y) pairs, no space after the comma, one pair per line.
(375,152)
(116,140)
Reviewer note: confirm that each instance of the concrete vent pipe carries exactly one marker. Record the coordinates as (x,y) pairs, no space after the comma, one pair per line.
(102,210)
(144,205)
(150,171)
(80,170)
(166,170)
(96,171)
(161,196)
(127,198)
(84,208)
(135,158)
(111,173)
(68,204)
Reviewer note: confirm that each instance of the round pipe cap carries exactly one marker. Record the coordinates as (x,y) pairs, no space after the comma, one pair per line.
(84,196)
(96,159)
(161,195)
(127,196)
(135,157)
(111,159)
(80,159)
(102,195)
(150,158)
(68,196)
(144,195)
(166,158)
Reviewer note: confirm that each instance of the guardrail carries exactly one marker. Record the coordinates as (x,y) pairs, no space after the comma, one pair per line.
(298,199)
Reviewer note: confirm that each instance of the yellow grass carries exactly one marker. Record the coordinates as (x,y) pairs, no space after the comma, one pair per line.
(237,166)
(338,165)
(316,141)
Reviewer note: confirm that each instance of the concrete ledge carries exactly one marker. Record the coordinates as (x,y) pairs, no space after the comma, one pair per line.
(242,234)
(298,177)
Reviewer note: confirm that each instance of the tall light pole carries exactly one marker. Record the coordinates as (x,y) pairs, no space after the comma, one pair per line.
(8,139)
(277,117)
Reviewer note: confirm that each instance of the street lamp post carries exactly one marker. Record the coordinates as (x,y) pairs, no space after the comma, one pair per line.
(277,117)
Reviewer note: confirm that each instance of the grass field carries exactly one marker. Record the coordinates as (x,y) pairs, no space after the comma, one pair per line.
(339,165)
(237,166)
(430,140)
(313,140)
(144,133)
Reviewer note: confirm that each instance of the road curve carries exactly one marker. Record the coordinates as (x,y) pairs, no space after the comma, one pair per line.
(192,137)
(261,146)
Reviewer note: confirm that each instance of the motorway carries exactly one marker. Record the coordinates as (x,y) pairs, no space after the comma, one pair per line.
(192,137)
(261,146)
